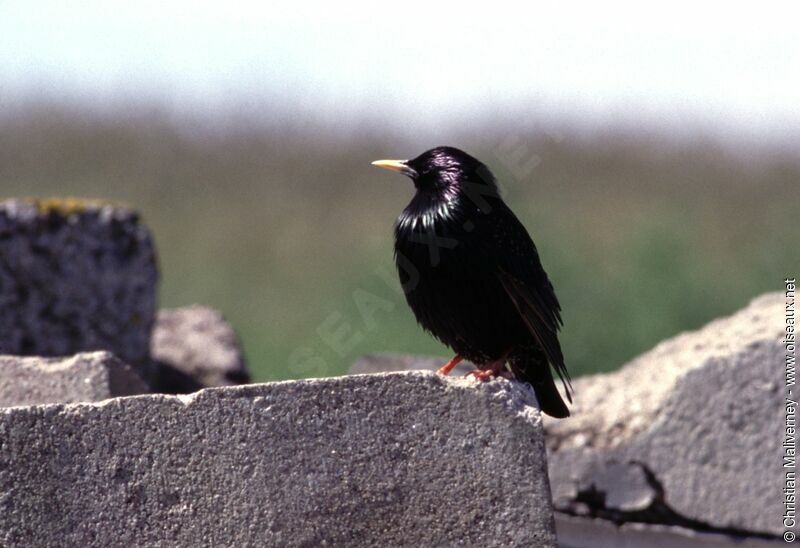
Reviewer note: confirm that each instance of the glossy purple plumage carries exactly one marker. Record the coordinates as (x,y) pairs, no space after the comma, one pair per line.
(472,275)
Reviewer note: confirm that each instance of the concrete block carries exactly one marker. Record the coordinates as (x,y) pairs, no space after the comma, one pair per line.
(196,348)
(403,459)
(688,434)
(91,376)
(76,276)
(578,532)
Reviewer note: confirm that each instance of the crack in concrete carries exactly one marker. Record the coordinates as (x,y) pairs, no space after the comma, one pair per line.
(592,499)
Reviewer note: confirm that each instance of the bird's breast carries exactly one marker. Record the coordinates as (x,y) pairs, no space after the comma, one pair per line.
(450,285)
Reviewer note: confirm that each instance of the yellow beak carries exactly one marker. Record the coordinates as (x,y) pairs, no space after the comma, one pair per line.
(395,165)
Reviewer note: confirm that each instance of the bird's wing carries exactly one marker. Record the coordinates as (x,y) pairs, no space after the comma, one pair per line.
(521,274)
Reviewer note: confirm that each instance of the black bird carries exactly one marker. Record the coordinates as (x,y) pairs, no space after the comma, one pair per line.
(472,275)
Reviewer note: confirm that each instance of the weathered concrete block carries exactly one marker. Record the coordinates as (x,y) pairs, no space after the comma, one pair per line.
(196,348)
(404,459)
(688,434)
(388,362)
(75,276)
(91,376)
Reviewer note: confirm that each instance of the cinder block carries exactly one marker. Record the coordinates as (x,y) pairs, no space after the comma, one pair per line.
(90,376)
(402,459)
(76,276)
(688,434)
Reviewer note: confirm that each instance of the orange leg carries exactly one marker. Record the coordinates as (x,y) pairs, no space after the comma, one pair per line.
(446,368)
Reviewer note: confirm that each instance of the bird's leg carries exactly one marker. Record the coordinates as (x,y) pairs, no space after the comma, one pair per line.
(494,369)
(446,368)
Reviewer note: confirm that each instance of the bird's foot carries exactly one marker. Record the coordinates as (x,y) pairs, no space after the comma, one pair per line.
(485,375)
(482,375)
(446,368)
(496,368)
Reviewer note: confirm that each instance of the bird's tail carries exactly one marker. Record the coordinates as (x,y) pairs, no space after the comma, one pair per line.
(530,365)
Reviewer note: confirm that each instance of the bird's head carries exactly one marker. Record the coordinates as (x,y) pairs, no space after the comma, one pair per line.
(441,169)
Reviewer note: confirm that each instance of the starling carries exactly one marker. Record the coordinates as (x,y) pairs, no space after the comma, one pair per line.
(472,276)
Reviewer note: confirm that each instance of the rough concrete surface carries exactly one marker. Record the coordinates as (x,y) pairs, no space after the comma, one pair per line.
(75,276)
(688,434)
(403,459)
(196,348)
(386,362)
(90,376)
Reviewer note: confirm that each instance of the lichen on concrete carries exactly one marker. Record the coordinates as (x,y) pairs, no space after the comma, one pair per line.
(69,206)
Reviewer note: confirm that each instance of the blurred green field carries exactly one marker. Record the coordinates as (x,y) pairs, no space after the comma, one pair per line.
(287,229)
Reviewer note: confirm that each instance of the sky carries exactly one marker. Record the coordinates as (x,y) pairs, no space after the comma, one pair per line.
(724,65)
